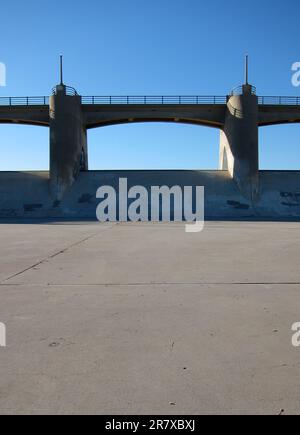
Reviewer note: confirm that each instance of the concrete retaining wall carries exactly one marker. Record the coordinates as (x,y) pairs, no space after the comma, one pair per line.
(27,194)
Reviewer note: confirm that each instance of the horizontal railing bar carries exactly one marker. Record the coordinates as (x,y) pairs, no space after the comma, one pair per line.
(24,101)
(281,101)
(154,99)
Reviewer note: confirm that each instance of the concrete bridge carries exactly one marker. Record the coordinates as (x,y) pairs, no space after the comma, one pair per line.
(69,115)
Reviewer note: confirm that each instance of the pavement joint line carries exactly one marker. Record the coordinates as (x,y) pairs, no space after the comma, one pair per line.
(143,284)
(61,251)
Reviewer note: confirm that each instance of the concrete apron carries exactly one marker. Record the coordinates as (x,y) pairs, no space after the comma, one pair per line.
(28,194)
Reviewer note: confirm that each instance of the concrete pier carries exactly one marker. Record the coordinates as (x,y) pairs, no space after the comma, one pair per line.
(68,141)
(239,142)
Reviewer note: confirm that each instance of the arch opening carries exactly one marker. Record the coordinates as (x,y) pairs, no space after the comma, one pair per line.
(24,148)
(279,147)
(153,145)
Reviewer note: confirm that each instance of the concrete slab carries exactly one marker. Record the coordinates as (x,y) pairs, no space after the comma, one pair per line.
(128,318)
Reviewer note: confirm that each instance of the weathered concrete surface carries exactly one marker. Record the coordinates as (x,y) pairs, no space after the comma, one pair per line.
(274,114)
(27,194)
(97,115)
(127,318)
(30,115)
(239,143)
(210,115)
(68,142)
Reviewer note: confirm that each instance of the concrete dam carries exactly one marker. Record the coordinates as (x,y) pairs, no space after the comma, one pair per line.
(68,190)
(26,194)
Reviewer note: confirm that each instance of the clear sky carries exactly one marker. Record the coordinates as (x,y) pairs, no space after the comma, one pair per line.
(143,47)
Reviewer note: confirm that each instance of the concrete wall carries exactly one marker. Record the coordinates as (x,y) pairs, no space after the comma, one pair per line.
(26,194)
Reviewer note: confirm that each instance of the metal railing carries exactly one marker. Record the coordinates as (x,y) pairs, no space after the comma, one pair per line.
(141,100)
(279,101)
(24,101)
(239,90)
(71,92)
(144,100)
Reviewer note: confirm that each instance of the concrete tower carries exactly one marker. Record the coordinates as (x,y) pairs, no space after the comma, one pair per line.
(239,139)
(68,138)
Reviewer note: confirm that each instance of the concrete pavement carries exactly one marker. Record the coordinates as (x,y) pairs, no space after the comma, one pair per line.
(134,318)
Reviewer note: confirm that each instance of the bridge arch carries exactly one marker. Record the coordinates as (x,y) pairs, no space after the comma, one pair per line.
(153,119)
(24,122)
(25,110)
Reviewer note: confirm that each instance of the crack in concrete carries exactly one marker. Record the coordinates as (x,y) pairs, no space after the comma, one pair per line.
(61,251)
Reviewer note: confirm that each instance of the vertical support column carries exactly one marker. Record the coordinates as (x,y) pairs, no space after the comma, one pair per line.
(68,141)
(239,142)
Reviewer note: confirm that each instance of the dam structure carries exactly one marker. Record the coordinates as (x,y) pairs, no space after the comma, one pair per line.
(237,190)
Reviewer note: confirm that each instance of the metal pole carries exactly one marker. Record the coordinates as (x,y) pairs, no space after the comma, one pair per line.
(247,69)
(61,70)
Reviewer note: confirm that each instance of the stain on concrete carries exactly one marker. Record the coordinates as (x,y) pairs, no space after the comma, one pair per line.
(280,193)
(32,207)
(56,204)
(8,212)
(86,198)
(290,204)
(292,199)
(238,205)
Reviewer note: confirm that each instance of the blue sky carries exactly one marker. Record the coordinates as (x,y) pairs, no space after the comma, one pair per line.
(157,47)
